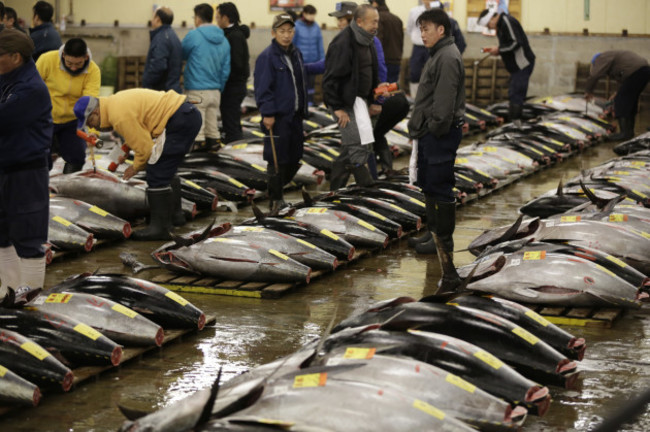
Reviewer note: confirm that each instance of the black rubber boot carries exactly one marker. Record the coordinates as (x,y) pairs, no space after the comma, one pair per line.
(212,144)
(160,206)
(515,112)
(625,130)
(445,227)
(70,168)
(178,217)
(199,146)
(427,245)
(362,176)
(276,196)
(339,176)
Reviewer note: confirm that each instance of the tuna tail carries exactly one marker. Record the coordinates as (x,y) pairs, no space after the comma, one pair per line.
(560,188)
(209,404)
(599,202)
(132,413)
(630,412)
(180,241)
(321,342)
(128,259)
(308,200)
(613,202)
(259,215)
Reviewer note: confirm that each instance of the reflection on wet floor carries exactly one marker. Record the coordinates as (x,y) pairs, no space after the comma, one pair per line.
(249,332)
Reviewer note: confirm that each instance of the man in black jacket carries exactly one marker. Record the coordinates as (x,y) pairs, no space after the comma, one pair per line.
(348,84)
(162,70)
(436,127)
(235,90)
(515,53)
(391,35)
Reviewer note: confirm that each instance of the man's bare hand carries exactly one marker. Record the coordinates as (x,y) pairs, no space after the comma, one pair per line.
(589,96)
(128,173)
(268,122)
(374,109)
(491,50)
(343,117)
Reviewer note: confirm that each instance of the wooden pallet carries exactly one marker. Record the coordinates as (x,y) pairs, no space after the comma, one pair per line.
(579,317)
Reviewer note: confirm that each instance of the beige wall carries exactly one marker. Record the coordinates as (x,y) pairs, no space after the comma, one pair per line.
(607,16)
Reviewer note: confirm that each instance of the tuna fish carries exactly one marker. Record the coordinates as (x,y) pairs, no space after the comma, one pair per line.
(15,390)
(640,142)
(251,174)
(32,362)
(90,217)
(66,236)
(164,307)
(117,322)
(203,198)
(408,203)
(225,186)
(409,221)
(73,342)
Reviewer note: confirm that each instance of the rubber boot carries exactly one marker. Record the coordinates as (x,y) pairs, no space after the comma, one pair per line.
(339,176)
(424,244)
(160,205)
(9,269)
(625,130)
(515,112)
(445,226)
(212,144)
(362,176)
(275,188)
(178,217)
(198,146)
(70,168)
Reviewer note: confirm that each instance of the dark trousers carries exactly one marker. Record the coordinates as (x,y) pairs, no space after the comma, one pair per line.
(288,140)
(311,83)
(24,210)
(67,144)
(419,57)
(393,70)
(393,111)
(518,87)
(182,127)
(436,158)
(231,100)
(626,101)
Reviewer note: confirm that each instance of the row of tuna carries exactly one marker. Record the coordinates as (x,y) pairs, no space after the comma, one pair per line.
(86,320)
(441,363)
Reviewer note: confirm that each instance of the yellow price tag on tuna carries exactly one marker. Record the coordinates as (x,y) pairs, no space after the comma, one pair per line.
(316,210)
(461,160)
(3,371)
(240,146)
(58,298)
(359,353)
(537,317)
(252,229)
(256,119)
(258,167)
(616,261)
(418,202)
(490,149)
(534,255)
(35,350)
(62,221)
(398,208)
(258,134)
(87,331)
(488,358)
(429,409)
(618,217)
(311,123)
(603,269)
(236,182)
(124,310)
(642,195)
(191,183)
(621,173)
(570,219)
(278,254)
(178,299)
(329,234)
(366,225)
(324,156)
(97,210)
(525,335)
(637,163)
(310,380)
(306,243)
(460,383)
(377,215)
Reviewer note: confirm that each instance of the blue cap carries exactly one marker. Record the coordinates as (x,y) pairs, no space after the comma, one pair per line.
(82,109)
(593,59)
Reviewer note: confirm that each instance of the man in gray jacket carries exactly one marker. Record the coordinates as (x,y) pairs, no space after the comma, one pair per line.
(436,126)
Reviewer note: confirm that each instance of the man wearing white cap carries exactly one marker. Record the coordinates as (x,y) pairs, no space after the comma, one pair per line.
(516,54)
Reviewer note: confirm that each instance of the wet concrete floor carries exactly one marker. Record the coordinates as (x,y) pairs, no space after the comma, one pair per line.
(249,332)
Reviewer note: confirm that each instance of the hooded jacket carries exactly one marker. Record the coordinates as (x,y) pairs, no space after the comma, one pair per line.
(240,68)
(309,40)
(440,101)
(207,53)
(65,88)
(45,38)
(25,116)
(162,70)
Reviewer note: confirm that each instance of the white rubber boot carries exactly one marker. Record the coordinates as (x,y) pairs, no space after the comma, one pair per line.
(32,272)
(413,89)
(9,269)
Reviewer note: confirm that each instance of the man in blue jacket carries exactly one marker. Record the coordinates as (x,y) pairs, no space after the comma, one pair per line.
(25,137)
(281,98)
(309,40)
(43,33)
(162,71)
(207,53)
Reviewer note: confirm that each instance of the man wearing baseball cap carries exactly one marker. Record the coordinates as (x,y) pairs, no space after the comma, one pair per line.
(280,93)
(25,137)
(160,128)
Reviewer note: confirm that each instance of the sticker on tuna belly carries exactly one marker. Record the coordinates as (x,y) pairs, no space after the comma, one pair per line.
(310,380)
(359,353)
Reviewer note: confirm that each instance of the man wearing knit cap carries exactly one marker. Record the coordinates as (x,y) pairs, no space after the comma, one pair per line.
(160,128)
(25,137)
(516,54)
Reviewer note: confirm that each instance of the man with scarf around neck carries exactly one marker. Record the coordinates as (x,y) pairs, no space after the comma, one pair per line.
(69,74)
(348,83)
(25,137)
(436,127)
(281,98)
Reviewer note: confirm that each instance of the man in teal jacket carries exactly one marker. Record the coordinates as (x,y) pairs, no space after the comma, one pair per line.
(207,53)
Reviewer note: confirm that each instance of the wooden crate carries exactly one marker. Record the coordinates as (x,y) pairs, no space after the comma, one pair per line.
(129,72)
(486,82)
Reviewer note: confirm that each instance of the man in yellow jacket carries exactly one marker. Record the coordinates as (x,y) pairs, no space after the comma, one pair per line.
(69,73)
(160,128)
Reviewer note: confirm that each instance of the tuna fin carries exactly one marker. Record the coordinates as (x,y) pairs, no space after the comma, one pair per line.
(307,198)
(613,202)
(560,188)
(599,202)
(511,232)
(321,342)
(209,404)
(206,232)
(259,215)
(180,241)
(132,413)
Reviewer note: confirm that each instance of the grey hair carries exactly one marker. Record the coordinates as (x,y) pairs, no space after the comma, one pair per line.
(361,11)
